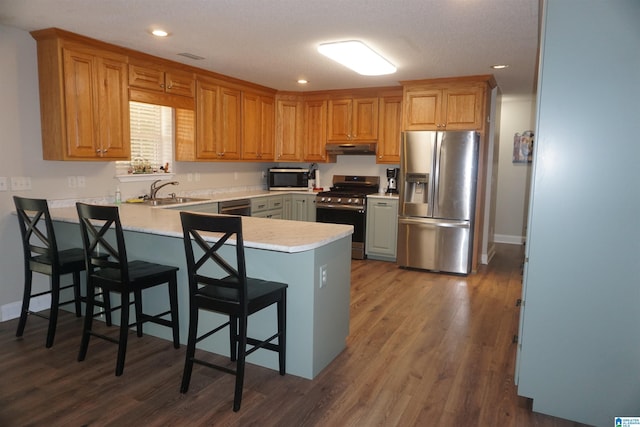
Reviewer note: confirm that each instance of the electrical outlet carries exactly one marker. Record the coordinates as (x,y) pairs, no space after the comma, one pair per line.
(197,176)
(189,177)
(80,179)
(19,183)
(3,183)
(323,276)
(72,182)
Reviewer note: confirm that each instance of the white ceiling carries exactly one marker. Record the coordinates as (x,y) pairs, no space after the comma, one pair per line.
(273,42)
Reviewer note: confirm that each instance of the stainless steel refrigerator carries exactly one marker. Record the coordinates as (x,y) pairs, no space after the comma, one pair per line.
(438,175)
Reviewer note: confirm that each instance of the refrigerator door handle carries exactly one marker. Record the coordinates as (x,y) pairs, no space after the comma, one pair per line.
(434,223)
(434,182)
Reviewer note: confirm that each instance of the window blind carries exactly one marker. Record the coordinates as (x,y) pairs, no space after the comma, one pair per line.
(151,137)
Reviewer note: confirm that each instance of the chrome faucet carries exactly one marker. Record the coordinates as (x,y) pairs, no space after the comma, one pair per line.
(154,187)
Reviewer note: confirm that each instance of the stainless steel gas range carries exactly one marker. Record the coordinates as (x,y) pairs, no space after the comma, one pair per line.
(346,203)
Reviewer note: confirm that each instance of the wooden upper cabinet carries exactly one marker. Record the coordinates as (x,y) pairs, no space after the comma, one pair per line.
(155,78)
(315,130)
(84,103)
(389,129)
(455,107)
(353,119)
(218,121)
(258,126)
(289,129)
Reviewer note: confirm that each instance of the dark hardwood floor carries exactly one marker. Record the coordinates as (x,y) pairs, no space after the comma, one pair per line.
(424,350)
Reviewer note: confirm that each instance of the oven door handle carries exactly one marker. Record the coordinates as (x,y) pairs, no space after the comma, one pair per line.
(341,207)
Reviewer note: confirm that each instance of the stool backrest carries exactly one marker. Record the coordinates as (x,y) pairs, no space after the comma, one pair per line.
(36,229)
(100,226)
(203,257)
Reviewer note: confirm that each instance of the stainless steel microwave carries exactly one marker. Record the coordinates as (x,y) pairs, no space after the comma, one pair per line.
(288,178)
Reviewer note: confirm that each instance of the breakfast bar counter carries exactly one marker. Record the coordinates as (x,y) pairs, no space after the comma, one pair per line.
(292,252)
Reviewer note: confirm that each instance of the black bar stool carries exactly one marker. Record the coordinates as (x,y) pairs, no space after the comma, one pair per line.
(41,255)
(234,294)
(100,225)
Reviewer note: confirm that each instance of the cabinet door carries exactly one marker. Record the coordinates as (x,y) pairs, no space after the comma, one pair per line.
(339,120)
(267,128)
(230,122)
(179,83)
(289,129)
(299,208)
(251,126)
(96,106)
(463,108)
(80,91)
(113,110)
(207,120)
(146,77)
(315,124)
(364,119)
(390,127)
(257,127)
(382,228)
(423,109)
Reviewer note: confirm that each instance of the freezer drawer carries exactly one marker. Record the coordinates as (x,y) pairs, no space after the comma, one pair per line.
(434,245)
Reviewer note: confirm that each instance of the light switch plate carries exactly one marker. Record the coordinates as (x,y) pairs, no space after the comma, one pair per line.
(3,183)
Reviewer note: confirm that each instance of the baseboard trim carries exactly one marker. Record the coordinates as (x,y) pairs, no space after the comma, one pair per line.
(12,310)
(510,239)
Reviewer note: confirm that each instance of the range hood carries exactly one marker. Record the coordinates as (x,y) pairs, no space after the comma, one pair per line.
(348,148)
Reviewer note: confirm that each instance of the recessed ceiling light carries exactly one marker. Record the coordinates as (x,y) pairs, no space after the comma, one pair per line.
(159,33)
(359,57)
(499,66)
(302,81)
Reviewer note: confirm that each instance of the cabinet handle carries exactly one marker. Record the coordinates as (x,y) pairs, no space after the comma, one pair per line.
(162,85)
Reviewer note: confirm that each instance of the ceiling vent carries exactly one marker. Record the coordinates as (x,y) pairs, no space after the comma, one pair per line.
(191,56)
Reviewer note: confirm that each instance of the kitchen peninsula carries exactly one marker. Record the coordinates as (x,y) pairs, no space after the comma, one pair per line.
(281,250)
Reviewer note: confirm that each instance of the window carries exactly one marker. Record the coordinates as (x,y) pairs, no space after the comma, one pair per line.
(151,139)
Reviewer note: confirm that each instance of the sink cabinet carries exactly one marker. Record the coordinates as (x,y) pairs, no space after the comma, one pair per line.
(84,101)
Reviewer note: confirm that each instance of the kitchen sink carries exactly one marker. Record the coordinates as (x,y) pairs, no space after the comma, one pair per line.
(172,201)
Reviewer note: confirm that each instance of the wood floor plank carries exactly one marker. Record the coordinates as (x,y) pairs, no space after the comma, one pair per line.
(424,349)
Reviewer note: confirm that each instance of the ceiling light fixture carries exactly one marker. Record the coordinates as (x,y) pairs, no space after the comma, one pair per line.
(159,33)
(302,81)
(359,57)
(499,66)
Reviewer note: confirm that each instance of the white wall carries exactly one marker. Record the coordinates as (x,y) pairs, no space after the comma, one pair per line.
(518,115)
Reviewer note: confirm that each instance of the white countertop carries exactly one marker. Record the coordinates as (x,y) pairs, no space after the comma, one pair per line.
(260,233)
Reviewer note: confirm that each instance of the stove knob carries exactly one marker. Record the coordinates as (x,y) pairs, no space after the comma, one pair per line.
(356,201)
(339,200)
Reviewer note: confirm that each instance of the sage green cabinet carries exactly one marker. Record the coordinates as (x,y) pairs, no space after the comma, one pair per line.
(303,207)
(382,228)
(267,207)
